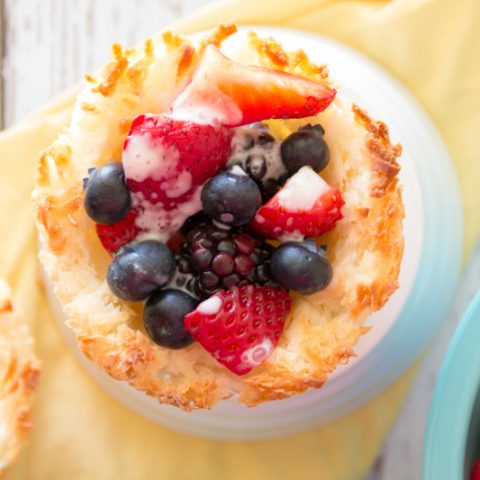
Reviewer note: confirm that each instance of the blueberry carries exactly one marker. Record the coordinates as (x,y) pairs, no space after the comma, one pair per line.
(107,198)
(231,197)
(139,269)
(87,178)
(296,267)
(310,244)
(305,147)
(163,318)
(316,128)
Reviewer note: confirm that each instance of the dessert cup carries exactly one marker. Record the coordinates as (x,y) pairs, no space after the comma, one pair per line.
(19,370)
(432,226)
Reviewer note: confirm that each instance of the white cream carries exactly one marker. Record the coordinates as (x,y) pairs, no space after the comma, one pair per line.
(177,186)
(211,306)
(236,170)
(302,190)
(217,109)
(153,219)
(144,157)
(295,236)
(257,354)
(141,237)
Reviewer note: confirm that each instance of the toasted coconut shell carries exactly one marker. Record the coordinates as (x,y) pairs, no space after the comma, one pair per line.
(19,370)
(321,330)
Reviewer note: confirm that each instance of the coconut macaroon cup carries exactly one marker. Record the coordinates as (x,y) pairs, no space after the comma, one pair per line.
(365,247)
(19,370)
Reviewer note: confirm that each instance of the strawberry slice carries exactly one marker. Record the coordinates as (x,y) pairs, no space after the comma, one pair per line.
(240,327)
(305,207)
(166,162)
(228,93)
(115,236)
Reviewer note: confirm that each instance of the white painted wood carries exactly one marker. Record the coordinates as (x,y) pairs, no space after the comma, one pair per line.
(50,44)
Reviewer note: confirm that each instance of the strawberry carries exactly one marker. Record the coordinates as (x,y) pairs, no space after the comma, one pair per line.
(240,327)
(115,236)
(475,475)
(166,161)
(305,207)
(231,94)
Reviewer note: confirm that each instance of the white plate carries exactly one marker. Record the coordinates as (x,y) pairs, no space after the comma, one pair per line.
(433,244)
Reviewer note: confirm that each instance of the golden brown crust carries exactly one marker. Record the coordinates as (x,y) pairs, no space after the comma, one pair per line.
(384,154)
(273,53)
(19,370)
(321,330)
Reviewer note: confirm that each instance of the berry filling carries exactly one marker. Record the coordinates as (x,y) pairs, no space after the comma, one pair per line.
(194,211)
(213,259)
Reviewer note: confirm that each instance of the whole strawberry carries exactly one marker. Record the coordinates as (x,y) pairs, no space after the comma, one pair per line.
(240,327)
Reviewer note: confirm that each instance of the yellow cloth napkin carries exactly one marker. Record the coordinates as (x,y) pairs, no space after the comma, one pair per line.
(81,433)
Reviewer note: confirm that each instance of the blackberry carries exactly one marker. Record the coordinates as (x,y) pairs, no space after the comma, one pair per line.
(213,259)
(257,152)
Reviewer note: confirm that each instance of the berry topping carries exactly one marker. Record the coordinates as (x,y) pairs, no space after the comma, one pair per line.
(305,207)
(305,148)
(107,198)
(166,162)
(163,318)
(296,266)
(240,327)
(212,259)
(139,269)
(231,197)
(257,152)
(231,94)
(475,475)
(119,234)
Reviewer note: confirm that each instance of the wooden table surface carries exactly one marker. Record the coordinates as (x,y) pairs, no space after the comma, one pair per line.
(49,44)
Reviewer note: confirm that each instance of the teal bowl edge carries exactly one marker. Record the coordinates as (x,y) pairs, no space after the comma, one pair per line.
(453,400)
